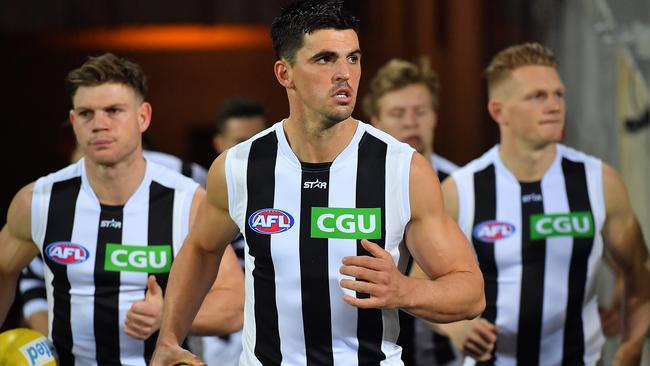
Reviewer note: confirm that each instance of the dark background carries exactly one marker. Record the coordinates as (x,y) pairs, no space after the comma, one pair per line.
(198,53)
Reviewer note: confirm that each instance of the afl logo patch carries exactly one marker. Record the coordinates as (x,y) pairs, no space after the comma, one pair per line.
(65,253)
(270,221)
(491,231)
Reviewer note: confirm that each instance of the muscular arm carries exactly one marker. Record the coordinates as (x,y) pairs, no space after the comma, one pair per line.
(440,249)
(453,289)
(624,240)
(198,261)
(476,337)
(16,246)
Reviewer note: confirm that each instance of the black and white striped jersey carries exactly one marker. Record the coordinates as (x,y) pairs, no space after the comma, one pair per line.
(443,167)
(98,257)
(538,245)
(32,288)
(299,220)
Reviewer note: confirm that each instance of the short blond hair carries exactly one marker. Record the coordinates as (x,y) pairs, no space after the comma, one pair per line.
(514,57)
(397,74)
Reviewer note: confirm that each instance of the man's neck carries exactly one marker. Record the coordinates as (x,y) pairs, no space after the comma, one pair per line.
(526,164)
(115,184)
(314,142)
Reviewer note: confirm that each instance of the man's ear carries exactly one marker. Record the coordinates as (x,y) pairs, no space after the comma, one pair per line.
(71,117)
(144,116)
(283,73)
(495,108)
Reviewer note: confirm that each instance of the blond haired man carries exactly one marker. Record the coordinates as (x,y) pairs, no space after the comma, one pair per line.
(540,215)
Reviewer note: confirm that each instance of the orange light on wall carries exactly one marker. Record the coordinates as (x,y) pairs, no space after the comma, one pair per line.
(165,38)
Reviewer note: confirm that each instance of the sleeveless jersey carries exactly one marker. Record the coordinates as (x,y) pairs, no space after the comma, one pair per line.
(443,167)
(98,257)
(299,220)
(538,245)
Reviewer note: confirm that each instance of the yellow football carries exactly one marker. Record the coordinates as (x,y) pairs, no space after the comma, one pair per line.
(26,347)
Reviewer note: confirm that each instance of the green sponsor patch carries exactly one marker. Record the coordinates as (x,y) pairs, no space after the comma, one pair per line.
(135,258)
(346,223)
(575,224)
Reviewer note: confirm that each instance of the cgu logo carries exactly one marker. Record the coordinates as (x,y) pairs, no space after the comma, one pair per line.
(65,253)
(270,221)
(137,258)
(493,230)
(575,224)
(346,223)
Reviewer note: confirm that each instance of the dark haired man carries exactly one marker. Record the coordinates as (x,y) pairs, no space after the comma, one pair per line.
(108,228)
(330,208)
(238,119)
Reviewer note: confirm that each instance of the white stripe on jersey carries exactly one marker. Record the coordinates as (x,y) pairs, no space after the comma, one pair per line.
(557,265)
(340,193)
(507,254)
(286,261)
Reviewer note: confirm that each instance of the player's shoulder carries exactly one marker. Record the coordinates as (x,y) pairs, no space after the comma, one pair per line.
(575,155)
(442,164)
(389,140)
(486,159)
(169,178)
(72,171)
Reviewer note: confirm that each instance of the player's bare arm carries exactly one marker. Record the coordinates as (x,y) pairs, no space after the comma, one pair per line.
(624,239)
(476,338)
(16,245)
(208,239)
(222,311)
(441,250)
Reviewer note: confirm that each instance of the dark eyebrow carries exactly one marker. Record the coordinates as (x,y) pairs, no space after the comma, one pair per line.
(356,52)
(322,54)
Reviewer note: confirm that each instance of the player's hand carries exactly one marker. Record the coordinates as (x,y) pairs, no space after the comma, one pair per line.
(144,316)
(376,276)
(480,339)
(174,355)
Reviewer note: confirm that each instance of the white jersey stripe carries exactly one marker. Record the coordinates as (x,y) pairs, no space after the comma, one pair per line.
(342,191)
(132,234)
(506,253)
(286,260)
(558,255)
(82,288)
